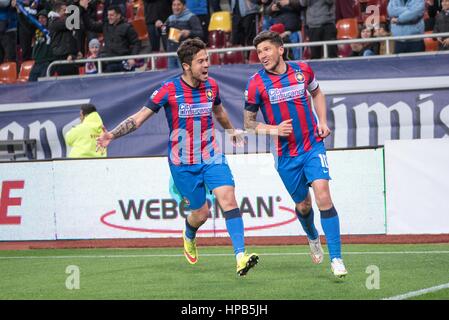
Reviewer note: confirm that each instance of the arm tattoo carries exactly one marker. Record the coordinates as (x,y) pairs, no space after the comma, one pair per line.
(250,120)
(127,126)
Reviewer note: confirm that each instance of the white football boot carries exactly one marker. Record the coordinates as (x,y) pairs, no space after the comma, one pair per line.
(338,268)
(316,251)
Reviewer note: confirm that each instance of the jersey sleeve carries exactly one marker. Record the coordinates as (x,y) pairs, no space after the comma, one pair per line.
(313,84)
(158,99)
(217,100)
(252,96)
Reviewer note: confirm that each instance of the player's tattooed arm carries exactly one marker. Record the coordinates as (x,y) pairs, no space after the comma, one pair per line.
(125,127)
(284,129)
(250,122)
(132,123)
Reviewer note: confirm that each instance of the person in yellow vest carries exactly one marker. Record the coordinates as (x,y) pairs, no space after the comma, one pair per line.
(83,137)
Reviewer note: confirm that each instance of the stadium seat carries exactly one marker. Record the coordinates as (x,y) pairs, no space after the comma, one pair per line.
(141,28)
(347,29)
(8,72)
(215,58)
(220,20)
(344,50)
(216,39)
(234,57)
(253,58)
(161,63)
(25,70)
(430,43)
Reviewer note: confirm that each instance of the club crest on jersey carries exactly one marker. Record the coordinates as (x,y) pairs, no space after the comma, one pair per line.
(300,77)
(209,94)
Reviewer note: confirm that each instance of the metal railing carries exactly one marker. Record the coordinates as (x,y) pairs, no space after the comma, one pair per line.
(325,44)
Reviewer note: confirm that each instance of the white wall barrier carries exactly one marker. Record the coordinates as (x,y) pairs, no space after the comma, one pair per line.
(129,198)
(417,185)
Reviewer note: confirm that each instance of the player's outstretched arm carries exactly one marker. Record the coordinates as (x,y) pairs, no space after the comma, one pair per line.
(319,102)
(284,129)
(127,126)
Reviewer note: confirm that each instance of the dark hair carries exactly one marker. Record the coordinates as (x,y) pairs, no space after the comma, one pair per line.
(57,5)
(271,36)
(116,9)
(188,49)
(182,1)
(88,108)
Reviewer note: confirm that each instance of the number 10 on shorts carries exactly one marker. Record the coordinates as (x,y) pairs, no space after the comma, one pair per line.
(323,159)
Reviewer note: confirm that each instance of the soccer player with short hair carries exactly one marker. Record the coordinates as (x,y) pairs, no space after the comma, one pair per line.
(195,161)
(279,90)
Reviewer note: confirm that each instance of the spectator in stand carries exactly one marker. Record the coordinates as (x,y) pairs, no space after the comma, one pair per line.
(442,24)
(120,38)
(365,48)
(181,25)
(432,7)
(382,31)
(26,28)
(281,12)
(406,19)
(113,3)
(94,50)
(8,31)
(267,20)
(216,5)
(320,21)
(156,12)
(344,9)
(244,21)
(63,42)
(200,8)
(42,53)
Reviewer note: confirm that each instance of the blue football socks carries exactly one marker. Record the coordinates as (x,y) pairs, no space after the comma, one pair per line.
(190,231)
(331,228)
(234,225)
(307,224)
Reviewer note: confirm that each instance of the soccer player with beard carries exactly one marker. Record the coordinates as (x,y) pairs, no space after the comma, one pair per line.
(279,90)
(195,161)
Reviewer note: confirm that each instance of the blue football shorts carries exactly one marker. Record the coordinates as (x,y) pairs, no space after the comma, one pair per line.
(298,173)
(192,180)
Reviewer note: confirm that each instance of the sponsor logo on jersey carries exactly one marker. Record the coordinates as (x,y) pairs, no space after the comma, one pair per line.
(197,109)
(286,94)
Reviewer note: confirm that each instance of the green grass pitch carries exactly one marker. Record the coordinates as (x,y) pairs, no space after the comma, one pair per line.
(283,272)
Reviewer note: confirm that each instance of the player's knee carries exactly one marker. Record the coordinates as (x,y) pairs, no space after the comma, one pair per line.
(323,200)
(201,215)
(228,202)
(304,207)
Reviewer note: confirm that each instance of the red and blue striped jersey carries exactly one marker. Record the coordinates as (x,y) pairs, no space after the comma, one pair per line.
(189,115)
(283,97)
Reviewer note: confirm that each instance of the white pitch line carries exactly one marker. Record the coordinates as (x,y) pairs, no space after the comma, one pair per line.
(212,255)
(418,292)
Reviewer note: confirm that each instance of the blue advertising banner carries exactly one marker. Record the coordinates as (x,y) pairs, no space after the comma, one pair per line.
(47,110)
